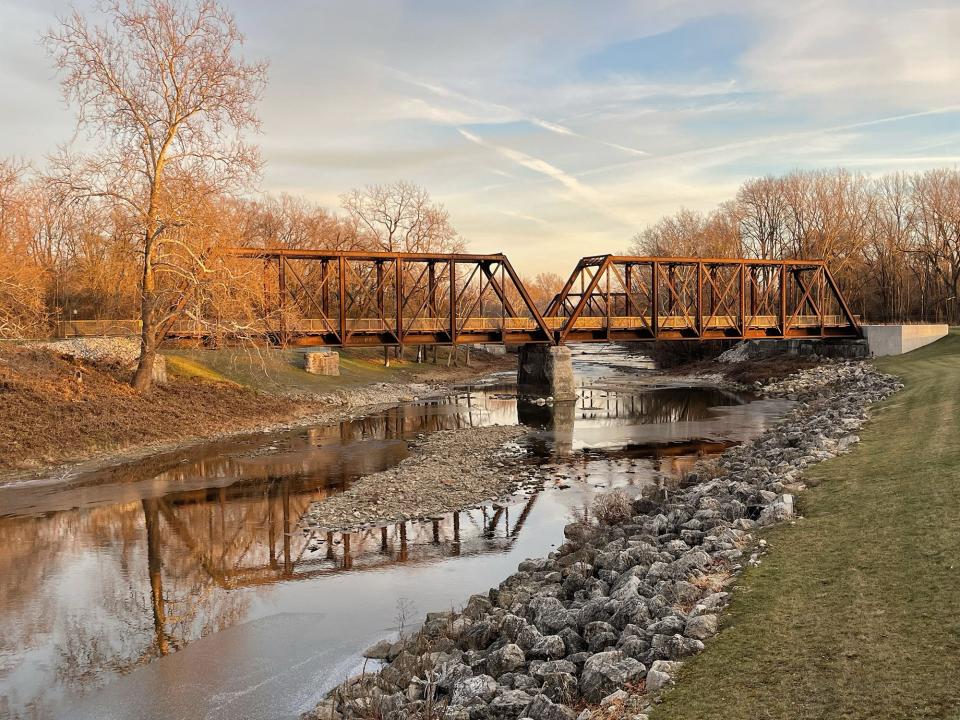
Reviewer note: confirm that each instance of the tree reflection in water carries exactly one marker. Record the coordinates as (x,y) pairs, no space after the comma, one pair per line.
(111,570)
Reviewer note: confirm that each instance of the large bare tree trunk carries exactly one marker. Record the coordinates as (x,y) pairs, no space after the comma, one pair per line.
(143,377)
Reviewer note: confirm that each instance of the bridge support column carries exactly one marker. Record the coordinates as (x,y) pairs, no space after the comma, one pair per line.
(546,371)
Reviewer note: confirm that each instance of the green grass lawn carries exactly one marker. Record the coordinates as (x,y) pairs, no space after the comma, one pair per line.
(855,612)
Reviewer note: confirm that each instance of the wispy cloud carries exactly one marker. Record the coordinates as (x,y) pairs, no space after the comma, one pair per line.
(584,194)
(536,165)
(777,138)
(561,130)
(499,112)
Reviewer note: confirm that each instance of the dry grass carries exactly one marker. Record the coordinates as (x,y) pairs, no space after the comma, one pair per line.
(747,373)
(765,371)
(612,508)
(712,582)
(276,371)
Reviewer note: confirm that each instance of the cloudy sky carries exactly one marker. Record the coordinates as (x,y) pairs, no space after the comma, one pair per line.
(554,129)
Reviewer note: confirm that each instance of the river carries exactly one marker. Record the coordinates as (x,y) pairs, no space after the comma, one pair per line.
(181,587)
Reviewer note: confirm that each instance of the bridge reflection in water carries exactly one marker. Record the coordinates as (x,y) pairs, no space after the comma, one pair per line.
(111,570)
(246,534)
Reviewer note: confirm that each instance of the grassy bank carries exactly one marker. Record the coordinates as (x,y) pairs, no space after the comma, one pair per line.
(855,612)
(55,410)
(281,371)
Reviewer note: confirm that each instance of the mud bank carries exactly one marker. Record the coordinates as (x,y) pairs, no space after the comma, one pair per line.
(42,394)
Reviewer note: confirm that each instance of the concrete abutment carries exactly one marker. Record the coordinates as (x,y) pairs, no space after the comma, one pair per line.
(546,371)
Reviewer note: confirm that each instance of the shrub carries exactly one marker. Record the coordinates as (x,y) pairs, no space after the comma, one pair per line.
(612,508)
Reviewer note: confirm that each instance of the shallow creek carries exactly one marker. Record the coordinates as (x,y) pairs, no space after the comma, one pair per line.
(181,587)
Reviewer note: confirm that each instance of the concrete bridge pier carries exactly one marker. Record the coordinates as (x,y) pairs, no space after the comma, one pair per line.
(546,371)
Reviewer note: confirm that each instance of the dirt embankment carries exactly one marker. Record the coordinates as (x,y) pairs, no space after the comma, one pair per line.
(56,410)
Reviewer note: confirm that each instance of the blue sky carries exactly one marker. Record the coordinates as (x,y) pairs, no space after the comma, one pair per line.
(555,129)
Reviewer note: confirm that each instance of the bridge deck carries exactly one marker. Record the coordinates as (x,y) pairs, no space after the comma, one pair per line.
(429,331)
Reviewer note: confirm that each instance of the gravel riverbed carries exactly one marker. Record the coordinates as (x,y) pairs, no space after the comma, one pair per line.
(448,470)
(595,630)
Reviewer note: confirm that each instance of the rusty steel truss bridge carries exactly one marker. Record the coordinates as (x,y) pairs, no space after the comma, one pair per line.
(356,299)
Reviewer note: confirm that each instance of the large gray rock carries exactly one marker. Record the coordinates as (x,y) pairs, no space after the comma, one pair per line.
(402,670)
(528,637)
(701,627)
(599,635)
(593,610)
(542,708)
(632,611)
(633,646)
(549,615)
(541,670)
(550,647)
(661,674)
(509,658)
(380,651)
(608,671)
(511,626)
(479,636)
(572,640)
(509,704)
(780,509)
(479,688)
(560,687)
(675,647)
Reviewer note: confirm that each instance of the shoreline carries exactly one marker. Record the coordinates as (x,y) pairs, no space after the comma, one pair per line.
(349,402)
(626,600)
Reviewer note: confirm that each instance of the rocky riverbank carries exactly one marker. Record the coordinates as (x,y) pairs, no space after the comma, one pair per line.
(448,470)
(600,626)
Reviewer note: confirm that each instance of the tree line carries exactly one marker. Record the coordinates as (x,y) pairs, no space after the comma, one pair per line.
(892,241)
(61,258)
(127,221)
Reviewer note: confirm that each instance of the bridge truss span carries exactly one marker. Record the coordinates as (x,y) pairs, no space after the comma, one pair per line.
(630,298)
(350,299)
(357,299)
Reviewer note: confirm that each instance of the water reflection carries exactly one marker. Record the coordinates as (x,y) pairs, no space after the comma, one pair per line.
(109,572)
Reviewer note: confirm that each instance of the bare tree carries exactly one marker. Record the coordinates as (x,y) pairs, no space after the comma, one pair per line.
(762,210)
(290,221)
(936,198)
(688,233)
(400,217)
(161,87)
(543,287)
